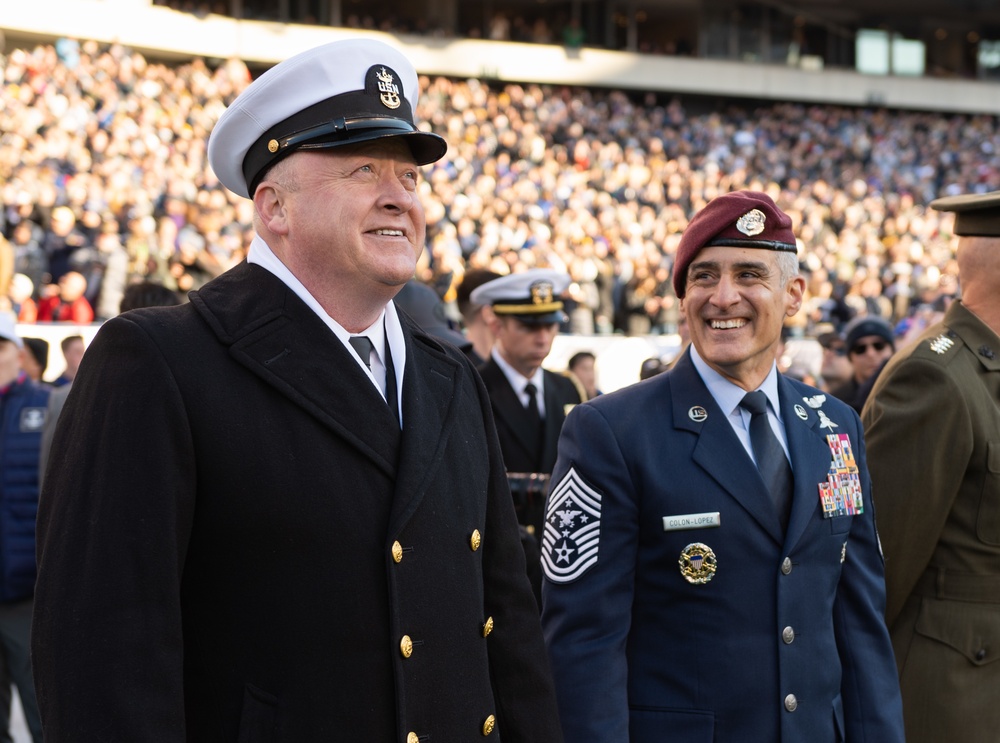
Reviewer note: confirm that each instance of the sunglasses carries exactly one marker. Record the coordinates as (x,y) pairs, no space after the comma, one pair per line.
(862,347)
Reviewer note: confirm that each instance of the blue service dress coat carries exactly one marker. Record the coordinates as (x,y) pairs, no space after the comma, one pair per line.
(238,543)
(785,641)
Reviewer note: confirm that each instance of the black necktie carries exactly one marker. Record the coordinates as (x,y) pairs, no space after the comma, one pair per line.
(771,459)
(531,391)
(362,346)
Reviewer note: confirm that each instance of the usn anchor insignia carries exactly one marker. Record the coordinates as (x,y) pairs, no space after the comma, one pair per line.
(388,90)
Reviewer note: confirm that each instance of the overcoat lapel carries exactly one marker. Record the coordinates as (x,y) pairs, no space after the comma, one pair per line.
(717,441)
(429,407)
(810,454)
(280,339)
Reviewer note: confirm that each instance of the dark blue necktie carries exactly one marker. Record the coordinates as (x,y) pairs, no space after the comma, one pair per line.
(771,459)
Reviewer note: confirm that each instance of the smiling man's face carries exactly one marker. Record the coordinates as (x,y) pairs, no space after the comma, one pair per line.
(735,303)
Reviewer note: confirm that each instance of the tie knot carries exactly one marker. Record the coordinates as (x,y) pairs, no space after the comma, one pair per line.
(754,402)
(530,389)
(362,346)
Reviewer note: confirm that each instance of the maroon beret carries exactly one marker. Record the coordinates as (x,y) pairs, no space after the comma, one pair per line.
(741,219)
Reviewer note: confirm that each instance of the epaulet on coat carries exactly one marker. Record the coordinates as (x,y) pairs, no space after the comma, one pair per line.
(940,347)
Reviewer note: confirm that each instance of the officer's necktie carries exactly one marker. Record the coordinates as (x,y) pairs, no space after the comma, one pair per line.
(532,392)
(362,346)
(537,424)
(771,459)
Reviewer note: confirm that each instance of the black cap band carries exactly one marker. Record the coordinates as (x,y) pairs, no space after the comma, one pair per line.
(341,119)
(736,242)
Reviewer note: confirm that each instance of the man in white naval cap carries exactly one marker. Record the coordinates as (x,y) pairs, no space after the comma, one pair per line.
(523,311)
(282,513)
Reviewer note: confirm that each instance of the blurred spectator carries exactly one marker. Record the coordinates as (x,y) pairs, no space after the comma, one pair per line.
(583,366)
(870,343)
(35,358)
(114,270)
(69,303)
(20,295)
(835,369)
(6,265)
(147,294)
(597,183)
(573,35)
(60,241)
(22,415)
(29,258)
(477,330)
(72,350)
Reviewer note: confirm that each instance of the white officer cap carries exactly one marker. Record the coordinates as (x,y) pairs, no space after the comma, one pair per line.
(340,93)
(8,329)
(532,296)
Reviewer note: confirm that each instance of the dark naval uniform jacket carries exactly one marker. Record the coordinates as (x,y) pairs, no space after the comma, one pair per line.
(514,427)
(237,542)
(933,430)
(674,607)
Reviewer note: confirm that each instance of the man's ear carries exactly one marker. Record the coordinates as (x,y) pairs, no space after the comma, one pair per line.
(796,291)
(269,200)
(491,319)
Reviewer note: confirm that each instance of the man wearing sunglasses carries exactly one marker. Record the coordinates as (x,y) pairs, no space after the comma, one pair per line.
(869,343)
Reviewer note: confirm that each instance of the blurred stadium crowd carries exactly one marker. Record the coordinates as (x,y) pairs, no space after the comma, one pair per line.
(103,173)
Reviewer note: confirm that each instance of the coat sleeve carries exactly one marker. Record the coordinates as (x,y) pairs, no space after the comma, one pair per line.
(113,525)
(873,709)
(586,619)
(520,674)
(914,488)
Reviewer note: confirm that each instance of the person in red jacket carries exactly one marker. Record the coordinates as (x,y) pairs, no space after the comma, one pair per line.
(69,304)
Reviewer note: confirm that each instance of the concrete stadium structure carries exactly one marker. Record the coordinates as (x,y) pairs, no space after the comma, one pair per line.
(734,52)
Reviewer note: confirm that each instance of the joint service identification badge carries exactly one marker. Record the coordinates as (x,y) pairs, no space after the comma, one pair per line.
(697,563)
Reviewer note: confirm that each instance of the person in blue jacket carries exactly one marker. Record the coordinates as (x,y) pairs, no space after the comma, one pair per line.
(22,417)
(712,568)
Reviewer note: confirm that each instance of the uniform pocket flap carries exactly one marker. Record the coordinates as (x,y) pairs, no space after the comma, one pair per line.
(971,629)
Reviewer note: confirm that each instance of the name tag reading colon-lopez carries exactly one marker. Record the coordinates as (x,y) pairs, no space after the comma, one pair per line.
(691,521)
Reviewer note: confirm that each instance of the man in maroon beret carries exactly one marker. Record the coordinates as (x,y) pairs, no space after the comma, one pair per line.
(712,570)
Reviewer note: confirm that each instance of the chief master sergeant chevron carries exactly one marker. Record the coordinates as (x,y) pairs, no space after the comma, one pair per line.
(282,514)
(712,570)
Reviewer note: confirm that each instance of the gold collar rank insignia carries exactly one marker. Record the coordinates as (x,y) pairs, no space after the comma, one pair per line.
(751,223)
(697,563)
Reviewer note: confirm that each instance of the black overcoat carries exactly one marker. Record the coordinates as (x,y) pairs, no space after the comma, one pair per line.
(238,544)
